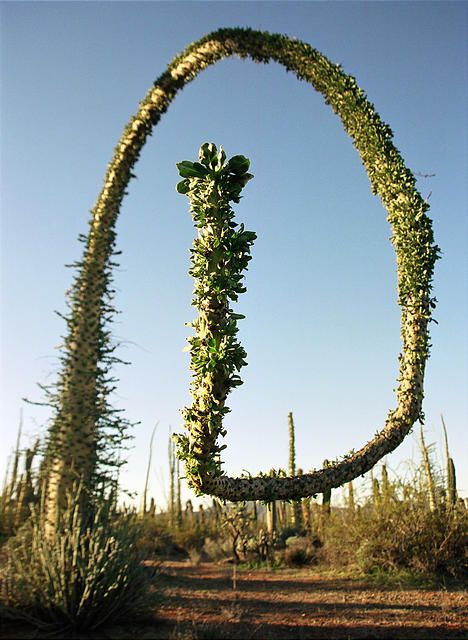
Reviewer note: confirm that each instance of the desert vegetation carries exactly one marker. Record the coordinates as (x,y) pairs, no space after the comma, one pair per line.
(73,557)
(389,531)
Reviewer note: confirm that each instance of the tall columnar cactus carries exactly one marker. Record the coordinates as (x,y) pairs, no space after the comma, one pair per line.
(351,504)
(292,445)
(272,516)
(75,428)
(451,478)
(148,469)
(220,254)
(26,494)
(386,489)
(172,482)
(326,495)
(429,473)
(451,483)
(295,507)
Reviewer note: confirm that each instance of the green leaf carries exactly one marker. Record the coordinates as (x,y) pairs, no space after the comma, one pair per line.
(239,164)
(183,186)
(188,170)
(199,167)
(208,154)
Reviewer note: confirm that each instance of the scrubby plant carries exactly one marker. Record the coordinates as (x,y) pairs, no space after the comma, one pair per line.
(400,533)
(249,543)
(20,490)
(82,577)
(299,551)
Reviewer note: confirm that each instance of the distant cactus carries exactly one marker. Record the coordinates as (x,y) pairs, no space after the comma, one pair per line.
(351,504)
(26,494)
(20,488)
(292,445)
(428,470)
(386,487)
(272,515)
(173,480)
(451,483)
(295,507)
(375,490)
(451,479)
(326,495)
(148,469)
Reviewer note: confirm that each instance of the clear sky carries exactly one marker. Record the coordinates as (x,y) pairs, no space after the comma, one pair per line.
(322,324)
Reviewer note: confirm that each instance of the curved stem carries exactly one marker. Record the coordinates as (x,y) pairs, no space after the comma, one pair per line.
(390,179)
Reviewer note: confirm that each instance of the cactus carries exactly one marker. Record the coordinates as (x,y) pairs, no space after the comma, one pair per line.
(16,460)
(172,457)
(178,497)
(386,491)
(26,495)
(271,517)
(326,495)
(148,469)
(351,503)
(304,519)
(376,496)
(451,479)
(189,512)
(427,465)
(295,506)
(19,487)
(82,389)
(292,447)
(451,483)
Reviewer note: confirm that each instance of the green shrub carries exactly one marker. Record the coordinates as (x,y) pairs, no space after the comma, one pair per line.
(399,533)
(83,576)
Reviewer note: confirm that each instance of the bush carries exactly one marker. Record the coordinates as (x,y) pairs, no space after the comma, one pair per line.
(399,534)
(82,576)
(156,540)
(299,552)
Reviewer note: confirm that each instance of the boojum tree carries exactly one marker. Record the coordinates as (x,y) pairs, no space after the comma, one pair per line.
(220,254)
(412,238)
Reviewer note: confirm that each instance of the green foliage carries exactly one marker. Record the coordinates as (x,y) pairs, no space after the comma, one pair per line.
(385,530)
(249,542)
(220,254)
(160,539)
(81,578)
(400,533)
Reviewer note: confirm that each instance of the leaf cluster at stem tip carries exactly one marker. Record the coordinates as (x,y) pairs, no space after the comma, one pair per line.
(212,164)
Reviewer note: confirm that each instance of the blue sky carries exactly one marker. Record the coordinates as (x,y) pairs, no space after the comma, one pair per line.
(322,324)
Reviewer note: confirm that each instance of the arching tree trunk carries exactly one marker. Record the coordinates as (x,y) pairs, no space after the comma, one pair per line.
(74,442)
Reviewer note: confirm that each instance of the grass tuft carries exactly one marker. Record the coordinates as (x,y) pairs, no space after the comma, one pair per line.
(83,577)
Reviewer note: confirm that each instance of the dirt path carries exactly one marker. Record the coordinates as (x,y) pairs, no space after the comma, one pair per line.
(200,603)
